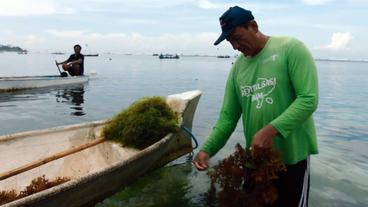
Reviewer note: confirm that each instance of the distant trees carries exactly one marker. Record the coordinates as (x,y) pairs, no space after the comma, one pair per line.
(9,48)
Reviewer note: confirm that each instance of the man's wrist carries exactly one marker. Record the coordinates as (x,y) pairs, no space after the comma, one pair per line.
(271,131)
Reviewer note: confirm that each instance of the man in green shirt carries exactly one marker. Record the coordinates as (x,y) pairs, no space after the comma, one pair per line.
(273,86)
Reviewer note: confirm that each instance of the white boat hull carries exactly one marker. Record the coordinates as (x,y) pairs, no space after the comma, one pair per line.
(25,82)
(96,172)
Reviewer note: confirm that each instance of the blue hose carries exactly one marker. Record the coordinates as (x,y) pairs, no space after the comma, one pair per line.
(188,131)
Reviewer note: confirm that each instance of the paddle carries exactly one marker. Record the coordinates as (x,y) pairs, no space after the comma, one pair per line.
(45,160)
(62,74)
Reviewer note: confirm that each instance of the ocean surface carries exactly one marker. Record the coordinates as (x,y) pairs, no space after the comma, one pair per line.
(339,173)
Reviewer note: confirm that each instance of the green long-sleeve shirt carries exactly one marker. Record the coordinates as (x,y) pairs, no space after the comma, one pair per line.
(278,86)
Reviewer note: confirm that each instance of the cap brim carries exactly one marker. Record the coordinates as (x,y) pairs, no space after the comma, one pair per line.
(223,36)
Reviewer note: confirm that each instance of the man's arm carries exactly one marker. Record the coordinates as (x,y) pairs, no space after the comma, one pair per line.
(229,116)
(303,76)
(264,137)
(67,61)
(76,61)
(71,62)
(60,63)
(201,161)
(228,119)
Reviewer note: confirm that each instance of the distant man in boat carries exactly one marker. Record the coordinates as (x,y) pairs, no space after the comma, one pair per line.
(75,63)
(273,86)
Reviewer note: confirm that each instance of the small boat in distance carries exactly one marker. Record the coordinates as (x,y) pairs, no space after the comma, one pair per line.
(91,55)
(223,56)
(168,56)
(24,52)
(95,172)
(58,53)
(25,82)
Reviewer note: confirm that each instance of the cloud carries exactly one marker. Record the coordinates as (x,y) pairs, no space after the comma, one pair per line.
(32,39)
(31,7)
(7,31)
(340,40)
(316,2)
(25,8)
(137,43)
(66,33)
(206,4)
(359,1)
(100,5)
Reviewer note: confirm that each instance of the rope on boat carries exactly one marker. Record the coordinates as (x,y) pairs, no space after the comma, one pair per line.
(189,132)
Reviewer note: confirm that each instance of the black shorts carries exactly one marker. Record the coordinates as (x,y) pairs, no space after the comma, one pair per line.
(73,71)
(293,185)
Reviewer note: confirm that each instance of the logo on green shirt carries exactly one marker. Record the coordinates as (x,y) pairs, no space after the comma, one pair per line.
(260,91)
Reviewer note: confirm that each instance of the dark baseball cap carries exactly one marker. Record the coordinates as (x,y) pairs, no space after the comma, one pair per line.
(232,18)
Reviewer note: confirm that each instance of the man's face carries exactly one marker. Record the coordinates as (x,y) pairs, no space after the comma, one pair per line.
(77,50)
(243,39)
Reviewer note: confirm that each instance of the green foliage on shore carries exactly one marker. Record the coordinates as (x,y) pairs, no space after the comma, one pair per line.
(143,123)
(9,48)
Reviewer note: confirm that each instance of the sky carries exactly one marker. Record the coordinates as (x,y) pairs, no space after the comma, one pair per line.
(329,28)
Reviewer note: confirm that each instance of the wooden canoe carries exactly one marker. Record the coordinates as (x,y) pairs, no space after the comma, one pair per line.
(95,172)
(25,82)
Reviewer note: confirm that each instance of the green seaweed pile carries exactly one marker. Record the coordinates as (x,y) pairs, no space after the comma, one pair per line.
(143,123)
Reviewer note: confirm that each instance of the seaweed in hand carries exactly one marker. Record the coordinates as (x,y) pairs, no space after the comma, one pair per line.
(245,180)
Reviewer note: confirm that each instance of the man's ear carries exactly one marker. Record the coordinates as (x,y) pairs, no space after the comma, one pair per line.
(253,25)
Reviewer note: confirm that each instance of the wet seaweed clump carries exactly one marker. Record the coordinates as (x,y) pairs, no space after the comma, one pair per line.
(143,123)
(7,196)
(245,180)
(37,185)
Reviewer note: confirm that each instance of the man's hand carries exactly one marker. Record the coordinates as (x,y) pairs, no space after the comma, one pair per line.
(264,138)
(201,160)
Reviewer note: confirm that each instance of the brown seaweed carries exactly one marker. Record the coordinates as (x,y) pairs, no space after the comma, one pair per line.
(37,185)
(7,196)
(245,180)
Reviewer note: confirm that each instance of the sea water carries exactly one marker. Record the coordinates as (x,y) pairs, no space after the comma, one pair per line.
(339,173)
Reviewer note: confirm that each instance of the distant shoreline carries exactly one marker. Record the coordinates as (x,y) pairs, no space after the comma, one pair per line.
(8,48)
(339,60)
